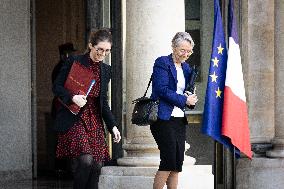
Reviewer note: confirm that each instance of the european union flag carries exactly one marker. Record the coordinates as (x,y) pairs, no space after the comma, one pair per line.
(213,108)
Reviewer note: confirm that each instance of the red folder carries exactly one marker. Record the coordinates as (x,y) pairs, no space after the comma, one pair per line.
(80,80)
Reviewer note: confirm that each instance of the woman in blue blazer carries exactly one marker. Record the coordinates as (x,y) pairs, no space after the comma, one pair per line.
(170,76)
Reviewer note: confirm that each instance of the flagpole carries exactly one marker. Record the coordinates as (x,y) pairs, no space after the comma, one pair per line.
(234,168)
(225,175)
(215,164)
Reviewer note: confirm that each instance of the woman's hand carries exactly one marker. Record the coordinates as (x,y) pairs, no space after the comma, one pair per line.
(80,100)
(116,134)
(191,98)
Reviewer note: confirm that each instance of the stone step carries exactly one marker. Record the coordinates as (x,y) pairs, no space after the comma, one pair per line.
(192,177)
(196,177)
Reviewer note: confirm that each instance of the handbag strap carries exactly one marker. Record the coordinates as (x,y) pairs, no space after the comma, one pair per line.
(148,85)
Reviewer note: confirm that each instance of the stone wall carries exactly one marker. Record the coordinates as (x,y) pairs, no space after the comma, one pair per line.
(15,90)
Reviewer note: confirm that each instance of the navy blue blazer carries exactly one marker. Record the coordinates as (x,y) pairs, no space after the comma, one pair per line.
(64,118)
(164,85)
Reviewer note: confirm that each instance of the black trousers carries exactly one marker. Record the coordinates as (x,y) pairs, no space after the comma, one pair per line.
(170,137)
(86,172)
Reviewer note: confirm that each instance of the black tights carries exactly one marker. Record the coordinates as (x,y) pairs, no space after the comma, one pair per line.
(86,172)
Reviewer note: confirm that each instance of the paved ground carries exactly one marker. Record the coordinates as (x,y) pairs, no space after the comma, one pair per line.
(41,183)
(192,177)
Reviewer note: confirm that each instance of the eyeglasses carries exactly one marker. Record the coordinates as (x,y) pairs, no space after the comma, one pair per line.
(183,51)
(101,50)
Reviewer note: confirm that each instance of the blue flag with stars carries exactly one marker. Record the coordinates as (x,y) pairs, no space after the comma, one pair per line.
(213,108)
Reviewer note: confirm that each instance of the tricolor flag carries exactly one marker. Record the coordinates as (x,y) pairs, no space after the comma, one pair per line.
(235,114)
(213,107)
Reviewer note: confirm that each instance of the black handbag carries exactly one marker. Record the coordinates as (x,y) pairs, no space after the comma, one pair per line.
(145,111)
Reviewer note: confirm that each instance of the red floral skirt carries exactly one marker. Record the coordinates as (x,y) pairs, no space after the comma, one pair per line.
(86,136)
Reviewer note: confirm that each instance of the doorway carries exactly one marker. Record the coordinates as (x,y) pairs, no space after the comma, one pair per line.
(56,22)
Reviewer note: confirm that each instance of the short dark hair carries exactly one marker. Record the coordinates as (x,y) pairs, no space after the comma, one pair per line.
(100,36)
(66,48)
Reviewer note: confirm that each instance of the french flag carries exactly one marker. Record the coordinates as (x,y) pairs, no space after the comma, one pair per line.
(235,115)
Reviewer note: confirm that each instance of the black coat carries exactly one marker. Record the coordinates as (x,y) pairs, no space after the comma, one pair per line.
(64,118)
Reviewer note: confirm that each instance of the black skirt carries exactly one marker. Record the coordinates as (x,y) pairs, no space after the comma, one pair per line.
(170,138)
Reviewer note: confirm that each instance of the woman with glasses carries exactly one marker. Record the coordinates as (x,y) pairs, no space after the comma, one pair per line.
(170,77)
(81,137)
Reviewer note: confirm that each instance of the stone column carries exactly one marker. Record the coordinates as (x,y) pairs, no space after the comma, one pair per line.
(258,61)
(16,124)
(150,26)
(264,43)
(278,141)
